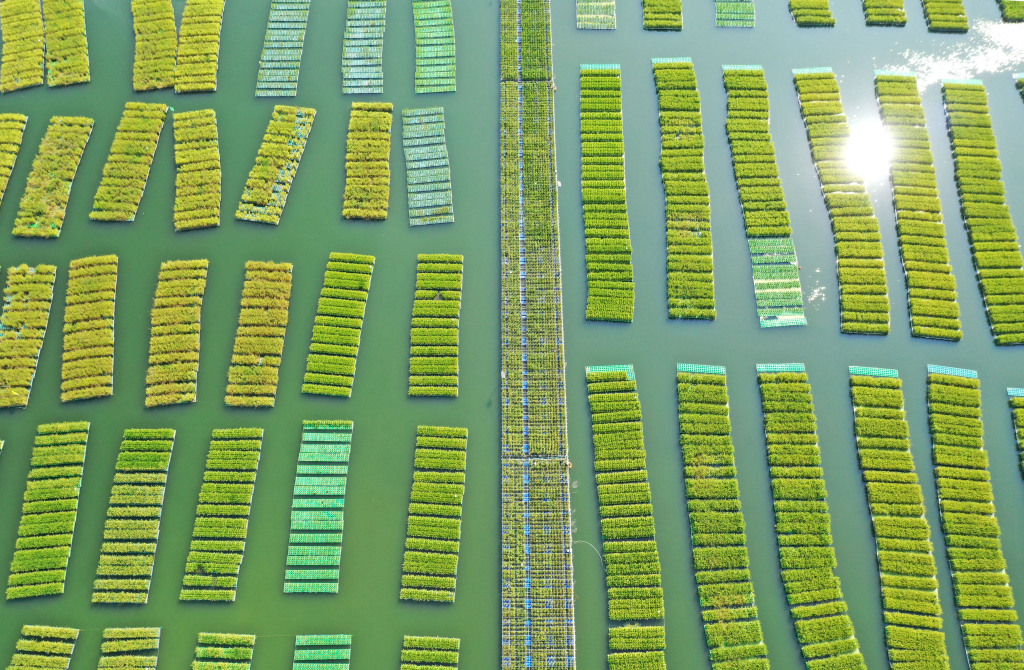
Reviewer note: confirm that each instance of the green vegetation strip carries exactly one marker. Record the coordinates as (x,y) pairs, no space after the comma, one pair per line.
(1012,10)
(270,180)
(197,185)
(721,560)
(430,653)
(45,201)
(49,511)
(12,131)
(663,14)
(981,585)
(362,55)
(1019,77)
(812,13)
(803,524)
(431,560)
(331,365)
(282,48)
(133,518)
(156,44)
(690,268)
(945,16)
(174,333)
(259,340)
(318,508)
(435,46)
(776,273)
(884,13)
(734,13)
(28,295)
(199,47)
(224,651)
(222,515)
(134,648)
(131,156)
(632,564)
(434,339)
(597,14)
(931,286)
(428,173)
(863,291)
(367,161)
(67,51)
(21,64)
(979,179)
(906,560)
(322,652)
(87,369)
(44,647)
(610,289)
(1016,396)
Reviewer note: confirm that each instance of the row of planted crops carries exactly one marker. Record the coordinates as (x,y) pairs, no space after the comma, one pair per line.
(172,375)
(906,559)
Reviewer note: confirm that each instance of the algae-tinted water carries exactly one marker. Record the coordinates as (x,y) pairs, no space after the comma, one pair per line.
(385,419)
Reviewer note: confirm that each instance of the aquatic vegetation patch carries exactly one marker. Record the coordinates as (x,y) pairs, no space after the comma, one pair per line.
(197,183)
(690,266)
(282,48)
(195,70)
(430,653)
(87,368)
(367,161)
(21,62)
(28,295)
(981,585)
(903,546)
(362,55)
(610,289)
(435,46)
(173,371)
(663,14)
(156,44)
(331,364)
(434,339)
(45,201)
(67,50)
(222,515)
(803,524)
(318,508)
(135,648)
(132,527)
(322,652)
(979,180)
(49,511)
(270,180)
(428,173)
(127,168)
(721,559)
(259,340)
(224,651)
(44,646)
(430,563)
(931,286)
(863,291)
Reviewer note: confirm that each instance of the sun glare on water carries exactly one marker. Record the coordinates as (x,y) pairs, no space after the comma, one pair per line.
(869,151)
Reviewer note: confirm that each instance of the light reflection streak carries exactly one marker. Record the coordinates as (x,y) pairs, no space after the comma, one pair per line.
(994,47)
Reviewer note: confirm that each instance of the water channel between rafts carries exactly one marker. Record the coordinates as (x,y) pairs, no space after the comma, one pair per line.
(385,418)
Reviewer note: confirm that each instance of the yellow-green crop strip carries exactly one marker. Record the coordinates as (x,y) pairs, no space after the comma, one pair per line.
(224,651)
(595,14)
(884,13)
(132,527)
(199,47)
(430,653)
(663,14)
(270,180)
(131,156)
(28,295)
(434,339)
(12,131)
(259,340)
(135,648)
(1016,396)
(156,44)
(945,16)
(431,560)
(87,369)
(21,63)
(863,291)
(49,511)
(173,371)
(931,286)
(67,50)
(903,545)
(45,201)
(222,515)
(44,647)
(197,185)
(690,265)
(609,254)
(367,161)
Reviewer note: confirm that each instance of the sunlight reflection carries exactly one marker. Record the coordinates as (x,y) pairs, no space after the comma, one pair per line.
(869,151)
(994,46)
